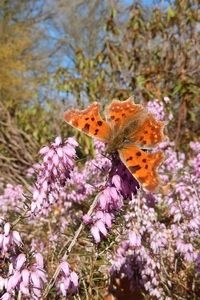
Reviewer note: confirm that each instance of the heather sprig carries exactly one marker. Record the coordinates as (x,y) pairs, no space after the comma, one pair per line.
(19,274)
(67,280)
(52,173)
(119,186)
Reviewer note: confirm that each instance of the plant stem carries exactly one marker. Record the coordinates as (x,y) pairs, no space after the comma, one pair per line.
(69,249)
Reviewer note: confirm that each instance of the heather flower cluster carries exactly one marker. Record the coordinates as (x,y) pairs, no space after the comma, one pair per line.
(24,278)
(119,186)
(195,162)
(67,282)
(8,238)
(12,198)
(19,275)
(85,182)
(158,109)
(53,171)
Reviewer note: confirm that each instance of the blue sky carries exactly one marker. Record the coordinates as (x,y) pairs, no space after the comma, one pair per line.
(147,2)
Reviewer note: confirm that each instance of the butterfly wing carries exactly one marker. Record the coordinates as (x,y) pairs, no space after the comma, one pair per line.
(134,121)
(120,113)
(142,165)
(149,133)
(89,121)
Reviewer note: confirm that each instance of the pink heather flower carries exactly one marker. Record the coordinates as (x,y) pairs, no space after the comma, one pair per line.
(24,289)
(13,281)
(54,170)
(195,146)
(12,198)
(39,260)
(116,180)
(1,283)
(67,281)
(99,228)
(95,233)
(21,258)
(6,229)
(87,219)
(7,296)
(156,107)
(110,199)
(25,277)
(35,280)
(9,239)
(195,161)
(64,266)
(28,278)
(187,250)
(135,239)
(74,278)
(16,238)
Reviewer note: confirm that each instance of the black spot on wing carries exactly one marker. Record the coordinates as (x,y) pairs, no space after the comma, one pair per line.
(138,153)
(134,169)
(96,131)
(86,127)
(99,123)
(129,158)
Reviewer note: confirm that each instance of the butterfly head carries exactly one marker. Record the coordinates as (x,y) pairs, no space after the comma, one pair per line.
(116,143)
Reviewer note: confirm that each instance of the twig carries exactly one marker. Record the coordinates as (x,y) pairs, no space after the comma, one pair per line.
(68,250)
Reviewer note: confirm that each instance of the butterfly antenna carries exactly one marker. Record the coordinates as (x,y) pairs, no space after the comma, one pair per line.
(100,169)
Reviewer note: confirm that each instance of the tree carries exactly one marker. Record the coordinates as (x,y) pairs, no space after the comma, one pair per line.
(149,53)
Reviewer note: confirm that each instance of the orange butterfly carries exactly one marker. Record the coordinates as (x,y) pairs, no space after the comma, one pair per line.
(129,129)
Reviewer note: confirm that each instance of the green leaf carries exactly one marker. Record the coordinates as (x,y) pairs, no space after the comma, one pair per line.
(170,13)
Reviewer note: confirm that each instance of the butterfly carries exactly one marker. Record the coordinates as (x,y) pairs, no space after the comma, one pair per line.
(128,129)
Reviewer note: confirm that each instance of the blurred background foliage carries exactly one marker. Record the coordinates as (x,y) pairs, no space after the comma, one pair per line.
(59,54)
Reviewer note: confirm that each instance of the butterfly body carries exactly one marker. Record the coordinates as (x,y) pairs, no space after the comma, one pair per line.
(128,129)
(125,136)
